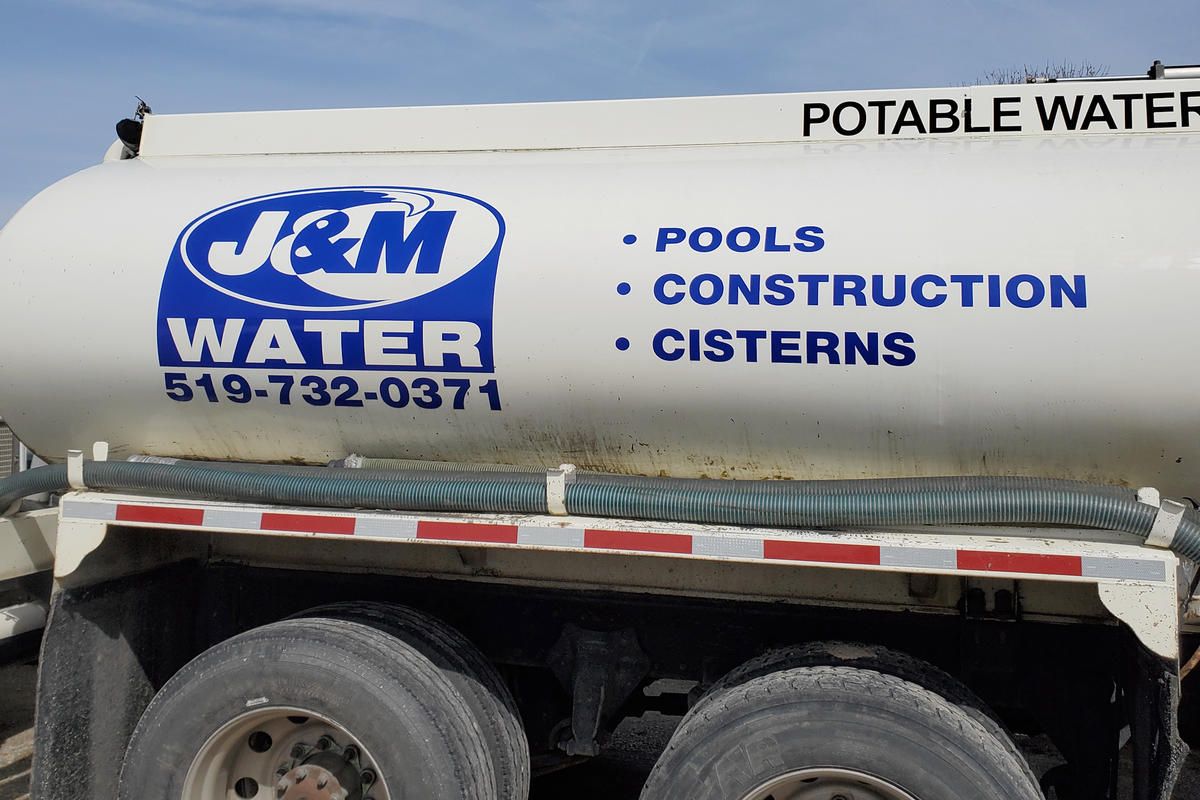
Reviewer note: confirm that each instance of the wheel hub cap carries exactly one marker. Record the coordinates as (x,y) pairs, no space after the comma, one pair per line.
(827,783)
(283,754)
(310,782)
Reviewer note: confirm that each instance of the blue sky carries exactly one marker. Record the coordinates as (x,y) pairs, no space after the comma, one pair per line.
(72,67)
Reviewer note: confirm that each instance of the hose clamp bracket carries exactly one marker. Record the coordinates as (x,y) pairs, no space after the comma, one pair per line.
(75,470)
(1166,521)
(556,488)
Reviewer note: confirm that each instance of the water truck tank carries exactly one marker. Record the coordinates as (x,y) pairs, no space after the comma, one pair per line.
(969,281)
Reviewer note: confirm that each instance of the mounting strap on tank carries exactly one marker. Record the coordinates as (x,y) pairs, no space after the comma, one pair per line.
(75,464)
(75,470)
(1166,521)
(556,488)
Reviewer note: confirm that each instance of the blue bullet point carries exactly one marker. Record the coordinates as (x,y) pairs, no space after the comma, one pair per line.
(622,343)
(629,238)
(623,288)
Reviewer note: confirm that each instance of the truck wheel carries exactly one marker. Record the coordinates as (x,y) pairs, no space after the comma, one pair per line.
(862,656)
(819,733)
(877,659)
(476,680)
(314,708)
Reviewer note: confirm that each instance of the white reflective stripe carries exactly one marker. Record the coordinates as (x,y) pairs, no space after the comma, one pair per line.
(1131,569)
(704,544)
(77,509)
(1166,523)
(232,519)
(386,528)
(536,536)
(919,557)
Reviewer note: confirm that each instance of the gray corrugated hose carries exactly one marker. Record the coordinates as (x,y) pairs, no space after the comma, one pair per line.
(808,504)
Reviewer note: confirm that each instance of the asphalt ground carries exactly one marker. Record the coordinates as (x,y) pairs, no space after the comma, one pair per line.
(17,680)
(616,775)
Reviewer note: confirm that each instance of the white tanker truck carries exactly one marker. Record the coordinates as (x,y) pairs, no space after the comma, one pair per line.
(423,445)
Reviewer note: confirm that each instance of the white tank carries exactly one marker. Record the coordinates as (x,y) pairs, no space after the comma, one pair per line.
(980,281)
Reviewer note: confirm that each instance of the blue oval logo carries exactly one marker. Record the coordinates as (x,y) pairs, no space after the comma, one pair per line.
(341,248)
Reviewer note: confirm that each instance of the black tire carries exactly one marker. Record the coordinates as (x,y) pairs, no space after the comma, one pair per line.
(796,724)
(862,656)
(876,658)
(377,695)
(472,675)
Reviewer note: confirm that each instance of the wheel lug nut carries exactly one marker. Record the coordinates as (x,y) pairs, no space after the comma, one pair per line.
(350,753)
(297,751)
(324,743)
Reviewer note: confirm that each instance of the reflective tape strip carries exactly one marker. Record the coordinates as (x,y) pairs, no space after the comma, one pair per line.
(102,512)
(727,546)
(821,552)
(918,557)
(232,518)
(534,536)
(1027,563)
(308,523)
(161,515)
(714,544)
(386,527)
(638,541)
(437,530)
(1140,569)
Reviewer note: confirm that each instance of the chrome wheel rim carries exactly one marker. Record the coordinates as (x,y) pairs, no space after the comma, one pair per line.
(827,783)
(283,754)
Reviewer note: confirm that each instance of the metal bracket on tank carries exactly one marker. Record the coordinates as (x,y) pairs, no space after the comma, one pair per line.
(1166,521)
(75,470)
(75,464)
(556,488)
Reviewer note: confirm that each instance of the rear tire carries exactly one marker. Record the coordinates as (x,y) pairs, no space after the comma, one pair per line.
(837,730)
(876,658)
(299,701)
(472,675)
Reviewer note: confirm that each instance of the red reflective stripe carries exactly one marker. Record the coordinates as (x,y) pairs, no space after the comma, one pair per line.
(166,515)
(984,561)
(466,532)
(638,540)
(821,552)
(307,523)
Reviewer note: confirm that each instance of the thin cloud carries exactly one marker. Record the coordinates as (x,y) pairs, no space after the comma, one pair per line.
(647,43)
